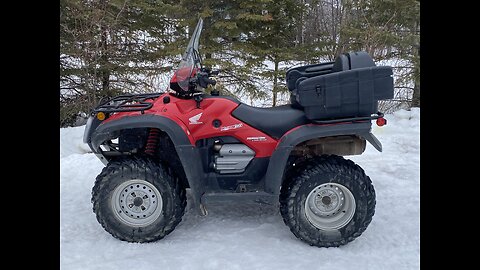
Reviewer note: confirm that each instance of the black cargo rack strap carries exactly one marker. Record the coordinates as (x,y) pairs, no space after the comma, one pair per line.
(351,119)
(128,103)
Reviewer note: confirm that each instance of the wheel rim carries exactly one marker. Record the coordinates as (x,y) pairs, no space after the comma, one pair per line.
(330,206)
(137,203)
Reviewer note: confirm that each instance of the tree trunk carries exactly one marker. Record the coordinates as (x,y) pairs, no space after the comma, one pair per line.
(416,71)
(206,35)
(105,72)
(416,94)
(106,82)
(275,84)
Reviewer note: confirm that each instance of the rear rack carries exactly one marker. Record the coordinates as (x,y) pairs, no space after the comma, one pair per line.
(128,103)
(352,119)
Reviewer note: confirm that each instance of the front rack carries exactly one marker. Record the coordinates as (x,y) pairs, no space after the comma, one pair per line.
(128,103)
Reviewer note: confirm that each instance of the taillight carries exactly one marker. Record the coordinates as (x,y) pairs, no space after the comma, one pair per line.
(381,121)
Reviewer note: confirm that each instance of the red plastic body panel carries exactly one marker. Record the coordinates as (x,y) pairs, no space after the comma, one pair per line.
(197,123)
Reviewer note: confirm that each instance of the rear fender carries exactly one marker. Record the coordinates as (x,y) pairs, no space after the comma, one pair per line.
(188,154)
(278,160)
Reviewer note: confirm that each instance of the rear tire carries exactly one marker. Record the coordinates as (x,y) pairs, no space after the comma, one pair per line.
(327,201)
(136,200)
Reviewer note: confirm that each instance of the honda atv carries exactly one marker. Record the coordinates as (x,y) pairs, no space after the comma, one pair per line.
(156,146)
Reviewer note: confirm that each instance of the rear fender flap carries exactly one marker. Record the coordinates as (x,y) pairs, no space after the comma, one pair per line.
(188,154)
(278,160)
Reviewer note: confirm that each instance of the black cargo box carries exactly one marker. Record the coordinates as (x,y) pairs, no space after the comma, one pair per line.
(351,88)
(306,72)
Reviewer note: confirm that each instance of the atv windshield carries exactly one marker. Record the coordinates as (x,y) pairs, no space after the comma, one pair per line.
(190,59)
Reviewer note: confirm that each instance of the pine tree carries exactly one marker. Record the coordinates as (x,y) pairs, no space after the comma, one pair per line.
(388,30)
(108,47)
(270,28)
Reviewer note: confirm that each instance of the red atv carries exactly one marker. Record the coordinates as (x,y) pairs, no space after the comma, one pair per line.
(155,146)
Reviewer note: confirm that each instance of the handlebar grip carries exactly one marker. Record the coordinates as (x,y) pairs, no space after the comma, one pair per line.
(210,81)
(204,81)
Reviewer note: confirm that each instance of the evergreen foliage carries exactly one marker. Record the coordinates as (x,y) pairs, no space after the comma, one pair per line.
(110,47)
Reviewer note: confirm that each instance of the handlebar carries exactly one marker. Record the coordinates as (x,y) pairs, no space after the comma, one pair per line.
(209,81)
(210,72)
(203,77)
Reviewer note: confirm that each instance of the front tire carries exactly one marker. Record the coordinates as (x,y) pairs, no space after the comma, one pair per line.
(136,200)
(327,201)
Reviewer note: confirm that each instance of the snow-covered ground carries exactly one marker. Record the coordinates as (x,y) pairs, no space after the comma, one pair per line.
(252,237)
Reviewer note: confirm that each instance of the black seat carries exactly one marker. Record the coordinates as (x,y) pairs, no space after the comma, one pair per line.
(274,121)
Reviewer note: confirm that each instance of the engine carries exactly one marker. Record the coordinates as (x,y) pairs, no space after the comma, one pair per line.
(232,158)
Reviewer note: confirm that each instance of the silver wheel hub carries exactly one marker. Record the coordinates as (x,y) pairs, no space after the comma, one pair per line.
(330,206)
(136,203)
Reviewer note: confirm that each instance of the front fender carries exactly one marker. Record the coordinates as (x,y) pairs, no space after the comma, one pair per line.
(278,160)
(173,129)
(187,153)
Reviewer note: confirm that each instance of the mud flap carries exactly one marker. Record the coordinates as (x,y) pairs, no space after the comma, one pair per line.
(191,161)
(373,141)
